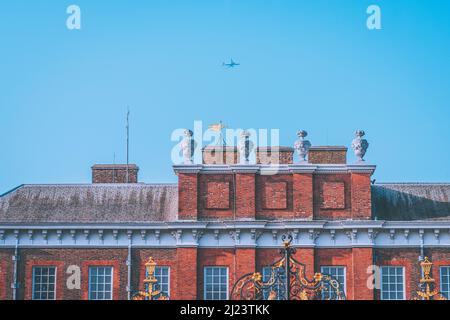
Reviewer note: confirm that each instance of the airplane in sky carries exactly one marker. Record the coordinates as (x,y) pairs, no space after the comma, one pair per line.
(232,64)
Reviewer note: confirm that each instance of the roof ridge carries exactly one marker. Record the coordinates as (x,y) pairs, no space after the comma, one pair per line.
(11,191)
(95,184)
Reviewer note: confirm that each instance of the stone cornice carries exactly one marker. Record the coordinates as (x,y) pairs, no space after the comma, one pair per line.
(252,234)
(271,169)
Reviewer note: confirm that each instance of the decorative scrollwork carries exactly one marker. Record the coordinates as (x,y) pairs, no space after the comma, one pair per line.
(287,280)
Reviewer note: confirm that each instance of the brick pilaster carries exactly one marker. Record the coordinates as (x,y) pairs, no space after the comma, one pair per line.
(245,196)
(306,256)
(186,274)
(361,196)
(362,258)
(303,195)
(187,196)
(245,262)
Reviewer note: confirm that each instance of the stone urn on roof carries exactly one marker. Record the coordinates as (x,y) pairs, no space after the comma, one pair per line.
(302,146)
(360,145)
(188,146)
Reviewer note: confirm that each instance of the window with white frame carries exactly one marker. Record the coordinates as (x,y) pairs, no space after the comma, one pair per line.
(162,274)
(44,283)
(216,283)
(392,283)
(279,282)
(100,283)
(338,274)
(445,281)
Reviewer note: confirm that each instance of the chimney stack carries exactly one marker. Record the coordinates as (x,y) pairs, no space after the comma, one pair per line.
(114,173)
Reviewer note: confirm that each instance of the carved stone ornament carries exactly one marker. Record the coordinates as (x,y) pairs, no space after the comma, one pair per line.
(360,145)
(188,146)
(302,146)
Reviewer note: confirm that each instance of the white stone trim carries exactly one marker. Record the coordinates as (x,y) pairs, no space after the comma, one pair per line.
(265,169)
(252,234)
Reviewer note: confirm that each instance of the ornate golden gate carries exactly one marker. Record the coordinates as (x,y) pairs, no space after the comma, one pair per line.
(252,286)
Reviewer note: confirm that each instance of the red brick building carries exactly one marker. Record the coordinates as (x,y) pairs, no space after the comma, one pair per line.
(219,222)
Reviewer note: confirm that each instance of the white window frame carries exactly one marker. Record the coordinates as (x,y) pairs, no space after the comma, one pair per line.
(447,293)
(404,282)
(89,282)
(204,281)
(33,282)
(334,277)
(168,278)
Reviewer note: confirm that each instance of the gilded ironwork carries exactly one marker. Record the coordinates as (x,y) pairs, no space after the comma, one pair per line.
(276,287)
(426,284)
(152,289)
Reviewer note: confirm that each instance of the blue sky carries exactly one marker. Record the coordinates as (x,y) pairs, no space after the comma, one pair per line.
(305,65)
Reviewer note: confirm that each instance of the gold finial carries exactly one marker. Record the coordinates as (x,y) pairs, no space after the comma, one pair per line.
(427,292)
(150,293)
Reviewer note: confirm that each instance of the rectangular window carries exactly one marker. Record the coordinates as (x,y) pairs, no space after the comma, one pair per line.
(338,273)
(216,283)
(278,282)
(392,283)
(44,283)
(445,281)
(162,274)
(100,283)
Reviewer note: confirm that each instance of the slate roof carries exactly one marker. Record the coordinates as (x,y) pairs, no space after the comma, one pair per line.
(91,203)
(145,203)
(411,201)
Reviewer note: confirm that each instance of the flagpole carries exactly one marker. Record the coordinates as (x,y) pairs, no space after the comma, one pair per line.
(128,143)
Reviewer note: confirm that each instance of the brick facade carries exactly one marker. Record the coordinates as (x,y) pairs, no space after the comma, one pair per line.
(114,173)
(224,196)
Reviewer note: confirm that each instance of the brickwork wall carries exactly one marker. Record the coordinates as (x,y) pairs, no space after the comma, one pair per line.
(215,257)
(114,176)
(211,191)
(361,196)
(356,261)
(163,258)
(303,196)
(333,195)
(327,212)
(6,274)
(187,276)
(220,155)
(187,267)
(62,259)
(407,258)
(218,195)
(245,196)
(327,156)
(274,156)
(268,191)
(187,196)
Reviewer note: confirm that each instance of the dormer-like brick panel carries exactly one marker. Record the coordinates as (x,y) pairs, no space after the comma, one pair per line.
(274,155)
(327,155)
(333,195)
(220,155)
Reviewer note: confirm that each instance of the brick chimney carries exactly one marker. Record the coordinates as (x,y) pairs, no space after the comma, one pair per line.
(114,173)
(327,155)
(274,155)
(220,155)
